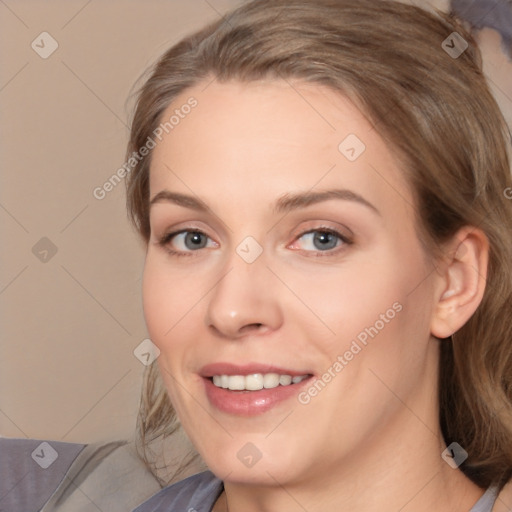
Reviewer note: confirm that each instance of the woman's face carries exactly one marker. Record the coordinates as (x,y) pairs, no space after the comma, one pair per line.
(307,264)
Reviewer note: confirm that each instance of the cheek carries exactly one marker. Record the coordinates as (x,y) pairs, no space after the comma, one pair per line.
(387,337)
(169,295)
(353,298)
(155,300)
(165,303)
(165,298)
(374,304)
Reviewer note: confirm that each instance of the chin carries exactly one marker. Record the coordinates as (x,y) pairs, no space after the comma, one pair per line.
(241,461)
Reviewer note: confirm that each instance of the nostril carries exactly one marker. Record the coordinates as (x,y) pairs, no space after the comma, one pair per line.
(250,327)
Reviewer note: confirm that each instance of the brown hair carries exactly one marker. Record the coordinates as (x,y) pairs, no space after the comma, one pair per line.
(437,111)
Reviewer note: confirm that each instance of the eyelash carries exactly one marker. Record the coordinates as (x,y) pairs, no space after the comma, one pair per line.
(166,239)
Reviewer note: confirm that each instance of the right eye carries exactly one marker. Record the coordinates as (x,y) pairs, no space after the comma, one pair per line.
(187,241)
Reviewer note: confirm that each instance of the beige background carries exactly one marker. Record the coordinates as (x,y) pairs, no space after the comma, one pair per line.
(69,324)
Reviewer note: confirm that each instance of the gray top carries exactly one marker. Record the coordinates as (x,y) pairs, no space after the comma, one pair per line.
(200,492)
(197,492)
(53,476)
(495,14)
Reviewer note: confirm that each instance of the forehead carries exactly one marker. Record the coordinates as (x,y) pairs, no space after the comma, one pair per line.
(256,140)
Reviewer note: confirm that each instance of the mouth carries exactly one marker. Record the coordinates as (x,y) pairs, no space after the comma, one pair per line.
(251,389)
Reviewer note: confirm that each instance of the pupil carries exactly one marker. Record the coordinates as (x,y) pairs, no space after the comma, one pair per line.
(195,238)
(324,239)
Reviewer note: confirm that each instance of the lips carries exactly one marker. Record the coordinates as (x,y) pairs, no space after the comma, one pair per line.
(250,389)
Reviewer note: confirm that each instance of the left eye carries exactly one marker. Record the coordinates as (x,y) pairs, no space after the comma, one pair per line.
(186,241)
(323,240)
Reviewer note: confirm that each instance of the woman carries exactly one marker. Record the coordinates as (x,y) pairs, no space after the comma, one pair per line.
(322,188)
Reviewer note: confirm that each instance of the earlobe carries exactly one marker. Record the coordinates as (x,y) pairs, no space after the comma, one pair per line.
(461,282)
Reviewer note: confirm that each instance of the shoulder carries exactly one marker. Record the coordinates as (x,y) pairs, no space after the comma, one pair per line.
(197,492)
(504,499)
(31,470)
(55,476)
(486,501)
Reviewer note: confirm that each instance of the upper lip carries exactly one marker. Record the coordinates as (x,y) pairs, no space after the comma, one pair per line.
(221,368)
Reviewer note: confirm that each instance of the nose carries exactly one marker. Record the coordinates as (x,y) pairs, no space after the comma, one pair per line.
(245,301)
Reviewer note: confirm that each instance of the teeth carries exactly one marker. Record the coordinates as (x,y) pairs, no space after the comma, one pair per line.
(252,382)
(270,380)
(255,381)
(285,380)
(236,382)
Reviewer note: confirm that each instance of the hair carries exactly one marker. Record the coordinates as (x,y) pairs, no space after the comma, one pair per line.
(436,111)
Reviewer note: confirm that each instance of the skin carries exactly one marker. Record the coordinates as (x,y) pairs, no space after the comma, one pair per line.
(370,440)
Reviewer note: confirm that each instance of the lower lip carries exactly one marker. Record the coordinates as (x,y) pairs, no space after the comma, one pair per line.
(250,403)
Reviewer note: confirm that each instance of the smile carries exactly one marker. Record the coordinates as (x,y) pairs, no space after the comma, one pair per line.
(255,381)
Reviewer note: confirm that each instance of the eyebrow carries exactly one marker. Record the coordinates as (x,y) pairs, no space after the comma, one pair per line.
(284,204)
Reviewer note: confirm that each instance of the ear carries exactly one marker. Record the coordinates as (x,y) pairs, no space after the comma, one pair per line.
(461,277)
